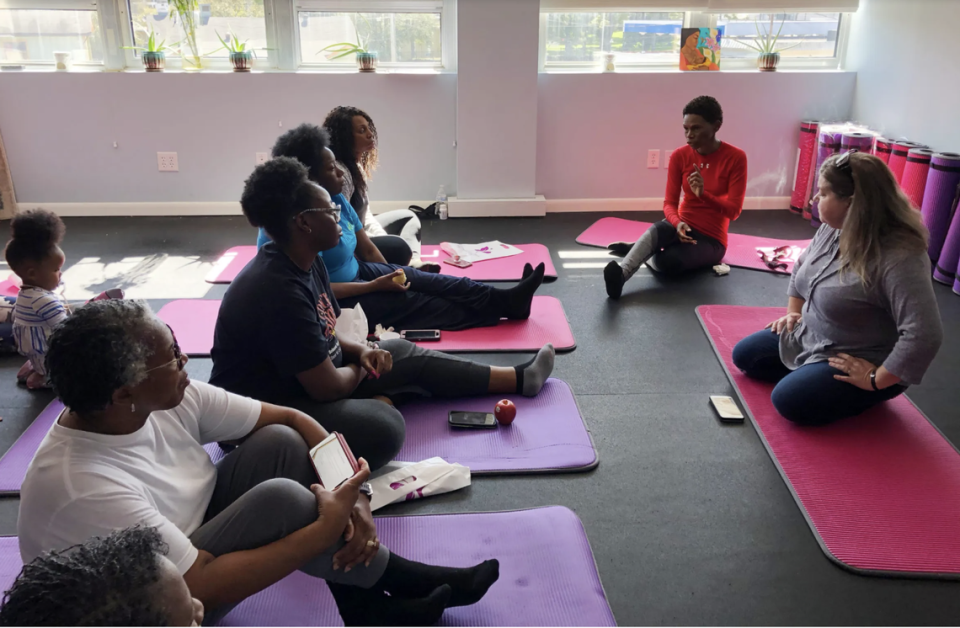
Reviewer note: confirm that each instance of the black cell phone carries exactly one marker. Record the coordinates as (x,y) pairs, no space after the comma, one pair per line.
(420,335)
(475,420)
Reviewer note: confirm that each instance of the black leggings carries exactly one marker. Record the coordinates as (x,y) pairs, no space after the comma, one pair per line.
(671,256)
(394,249)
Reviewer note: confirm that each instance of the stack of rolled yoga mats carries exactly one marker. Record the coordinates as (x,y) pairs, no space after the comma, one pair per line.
(832,138)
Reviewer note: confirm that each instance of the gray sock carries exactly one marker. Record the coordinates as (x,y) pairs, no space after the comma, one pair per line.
(641,252)
(533,375)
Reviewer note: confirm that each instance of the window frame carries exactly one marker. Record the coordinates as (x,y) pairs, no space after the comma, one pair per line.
(446,9)
(63,5)
(691,18)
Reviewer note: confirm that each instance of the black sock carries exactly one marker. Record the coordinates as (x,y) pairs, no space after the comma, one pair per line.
(516,301)
(372,607)
(412,579)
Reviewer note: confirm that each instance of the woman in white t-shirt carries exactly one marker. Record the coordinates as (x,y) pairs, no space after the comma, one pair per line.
(128,450)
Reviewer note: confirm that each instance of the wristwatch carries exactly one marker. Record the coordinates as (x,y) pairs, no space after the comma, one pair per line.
(366,489)
(873,379)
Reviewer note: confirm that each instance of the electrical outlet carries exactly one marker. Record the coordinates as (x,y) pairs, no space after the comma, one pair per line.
(653,158)
(262,158)
(167,162)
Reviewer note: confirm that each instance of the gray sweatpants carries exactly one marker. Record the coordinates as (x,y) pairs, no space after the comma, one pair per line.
(261,496)
(376,430)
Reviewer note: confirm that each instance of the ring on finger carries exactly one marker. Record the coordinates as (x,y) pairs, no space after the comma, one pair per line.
(372,543)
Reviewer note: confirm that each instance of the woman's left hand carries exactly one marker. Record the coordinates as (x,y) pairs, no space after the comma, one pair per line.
(361,537)
(376,361)
(857,370)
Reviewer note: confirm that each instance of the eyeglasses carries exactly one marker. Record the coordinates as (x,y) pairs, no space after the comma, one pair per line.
(333,211)
(177,355)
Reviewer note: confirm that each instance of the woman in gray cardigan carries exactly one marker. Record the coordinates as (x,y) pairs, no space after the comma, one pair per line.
(862,321)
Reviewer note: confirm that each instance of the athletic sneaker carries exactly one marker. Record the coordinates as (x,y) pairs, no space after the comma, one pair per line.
(613,277)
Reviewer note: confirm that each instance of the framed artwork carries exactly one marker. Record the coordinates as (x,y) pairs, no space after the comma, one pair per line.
(700,49)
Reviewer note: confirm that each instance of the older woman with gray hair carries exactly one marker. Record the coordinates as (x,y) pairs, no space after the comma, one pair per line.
(128,450)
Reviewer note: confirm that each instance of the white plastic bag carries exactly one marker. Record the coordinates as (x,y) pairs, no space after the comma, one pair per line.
(352,324)
(474,253)
(433,476)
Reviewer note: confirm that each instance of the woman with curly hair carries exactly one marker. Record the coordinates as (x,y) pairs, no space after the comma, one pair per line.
(122,579)
(353,140)
(360,275)
(862,320)
(128,450)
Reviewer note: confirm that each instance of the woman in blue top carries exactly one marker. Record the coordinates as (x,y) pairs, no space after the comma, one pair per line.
(360,275)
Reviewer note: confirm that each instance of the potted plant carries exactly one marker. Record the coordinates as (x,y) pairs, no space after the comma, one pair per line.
(766,45)
(153,56)
(240,56)
(366,59)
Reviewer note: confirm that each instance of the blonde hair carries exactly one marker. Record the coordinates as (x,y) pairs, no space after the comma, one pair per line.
(881,218)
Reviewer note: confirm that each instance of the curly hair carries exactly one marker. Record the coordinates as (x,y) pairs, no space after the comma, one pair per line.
(99,349)
(33,234)
(277,191)
(106,581)
(306,144)
(339,123)
(706,107)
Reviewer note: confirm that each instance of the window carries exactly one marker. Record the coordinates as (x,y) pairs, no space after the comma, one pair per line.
(803,36)
(640,37)
(33,35)
(411,36)
(242,18)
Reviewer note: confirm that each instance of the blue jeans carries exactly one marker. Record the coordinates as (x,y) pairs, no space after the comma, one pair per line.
(809,395)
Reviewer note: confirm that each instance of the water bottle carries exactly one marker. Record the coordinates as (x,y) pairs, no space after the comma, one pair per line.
(442,203)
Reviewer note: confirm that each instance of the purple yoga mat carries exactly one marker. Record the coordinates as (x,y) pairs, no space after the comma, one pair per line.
(945,270)
(857,140)
(548,576)
(939,198)
(548,435)
(829,145)
(13,465)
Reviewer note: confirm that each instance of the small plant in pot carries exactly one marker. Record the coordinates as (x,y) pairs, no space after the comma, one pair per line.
(240,56)
(766,45)
(153,55)
(366,59)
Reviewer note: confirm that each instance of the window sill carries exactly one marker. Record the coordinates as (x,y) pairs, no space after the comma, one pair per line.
(46,69)
(676,70)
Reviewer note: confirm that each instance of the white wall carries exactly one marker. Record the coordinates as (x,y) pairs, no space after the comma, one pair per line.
(908,83)
(594,130)
(497,98)
(59,130)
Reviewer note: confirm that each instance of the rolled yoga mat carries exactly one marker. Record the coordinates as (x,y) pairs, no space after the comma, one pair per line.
(857,140)
(806,155)
(548,575)
(878,490)
(741,249)
(939,198)
(945,269)
(915,174)
(194,321)
(548,436)
(829,144)
(882,148)
(898,157)
(14,463)
(501,269)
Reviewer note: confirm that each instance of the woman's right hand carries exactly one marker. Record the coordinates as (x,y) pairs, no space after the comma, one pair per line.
(334,507)
(787,322)
(387,284)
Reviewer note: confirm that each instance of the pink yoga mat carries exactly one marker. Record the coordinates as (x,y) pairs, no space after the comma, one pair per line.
(10,287)
(502,269)
(231,263)
(741,249)
(194,320)
(806,162)
(13,465)
(882,149)
(915,174)
(548,576)
(898,157)
(939,198)
(879,490)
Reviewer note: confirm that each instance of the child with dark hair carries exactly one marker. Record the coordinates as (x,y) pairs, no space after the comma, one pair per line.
(712,175)
(124,579)
(34,254)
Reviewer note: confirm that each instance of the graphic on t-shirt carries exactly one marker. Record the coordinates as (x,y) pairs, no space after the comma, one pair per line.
(329,319)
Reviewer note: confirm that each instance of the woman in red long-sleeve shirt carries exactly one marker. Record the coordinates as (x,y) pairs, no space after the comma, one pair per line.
(713,177)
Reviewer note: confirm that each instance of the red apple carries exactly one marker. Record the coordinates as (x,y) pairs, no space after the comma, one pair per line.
(505,412)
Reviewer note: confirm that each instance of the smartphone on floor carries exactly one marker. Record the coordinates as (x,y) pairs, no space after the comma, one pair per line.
(726,409)
(420,335)
(472,420)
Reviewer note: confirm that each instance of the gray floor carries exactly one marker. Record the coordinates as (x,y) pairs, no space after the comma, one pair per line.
(689,520)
